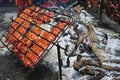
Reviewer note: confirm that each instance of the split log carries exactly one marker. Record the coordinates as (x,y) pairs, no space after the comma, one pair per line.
(91,32)
(81,38)
(79,41)
(80,63)
(97,52)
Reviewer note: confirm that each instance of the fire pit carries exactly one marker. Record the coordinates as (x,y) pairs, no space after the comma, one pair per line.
(34,32)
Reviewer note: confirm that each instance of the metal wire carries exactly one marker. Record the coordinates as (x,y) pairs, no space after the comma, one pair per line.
(29,29)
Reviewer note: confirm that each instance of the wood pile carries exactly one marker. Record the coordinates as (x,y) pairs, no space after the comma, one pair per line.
(92,42)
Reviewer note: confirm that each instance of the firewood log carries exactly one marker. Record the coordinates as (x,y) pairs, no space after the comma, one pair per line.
(81,38)
(97,52)
(79,64)
(91,32)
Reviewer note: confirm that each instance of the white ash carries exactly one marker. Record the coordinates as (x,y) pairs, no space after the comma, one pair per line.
(87,18)
(4,51)
(52,22)
(112,65)
(46,27)
(105,53)
(113,44)
(82,28)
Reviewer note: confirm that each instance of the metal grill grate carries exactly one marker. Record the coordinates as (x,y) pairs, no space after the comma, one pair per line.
(34,32)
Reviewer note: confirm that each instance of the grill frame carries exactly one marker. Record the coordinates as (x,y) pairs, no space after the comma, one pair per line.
(23,36)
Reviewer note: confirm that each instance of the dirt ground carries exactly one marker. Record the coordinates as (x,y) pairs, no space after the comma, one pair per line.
(12,69)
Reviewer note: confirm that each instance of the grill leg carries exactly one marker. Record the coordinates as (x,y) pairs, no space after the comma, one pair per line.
(59,61)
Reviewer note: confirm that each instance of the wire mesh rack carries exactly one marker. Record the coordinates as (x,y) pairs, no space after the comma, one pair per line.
(34,32)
